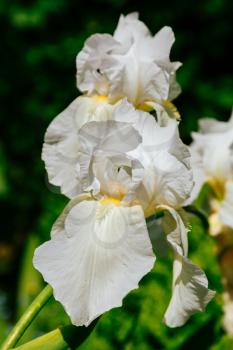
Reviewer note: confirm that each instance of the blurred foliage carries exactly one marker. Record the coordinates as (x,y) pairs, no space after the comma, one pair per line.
(38,48)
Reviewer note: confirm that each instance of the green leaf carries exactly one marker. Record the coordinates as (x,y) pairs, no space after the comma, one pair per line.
(64,338)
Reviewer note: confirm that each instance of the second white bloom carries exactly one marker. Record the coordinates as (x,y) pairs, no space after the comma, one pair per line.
(100,247)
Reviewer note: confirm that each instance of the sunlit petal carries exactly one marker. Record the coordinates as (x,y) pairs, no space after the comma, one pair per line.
(97,257)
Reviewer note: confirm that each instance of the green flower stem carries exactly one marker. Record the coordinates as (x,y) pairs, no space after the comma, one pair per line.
(24,322)
(63,338)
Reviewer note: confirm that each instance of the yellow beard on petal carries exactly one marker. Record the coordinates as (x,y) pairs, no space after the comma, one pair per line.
(100,98)
(108,203)
(105,205)
(110,200)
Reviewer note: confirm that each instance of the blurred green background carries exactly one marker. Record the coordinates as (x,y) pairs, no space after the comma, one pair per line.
(40,40)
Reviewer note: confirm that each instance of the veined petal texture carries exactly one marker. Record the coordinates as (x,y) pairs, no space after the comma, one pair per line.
(99,253)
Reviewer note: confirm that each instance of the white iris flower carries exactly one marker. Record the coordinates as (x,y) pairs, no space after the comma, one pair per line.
(132,63)
(119,166)
(100,246)
(212,158)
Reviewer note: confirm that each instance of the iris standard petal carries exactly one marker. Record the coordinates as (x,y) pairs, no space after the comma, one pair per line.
(101,140)
(131,64)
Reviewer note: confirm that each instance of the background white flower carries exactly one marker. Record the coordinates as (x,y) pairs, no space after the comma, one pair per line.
(212,161)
